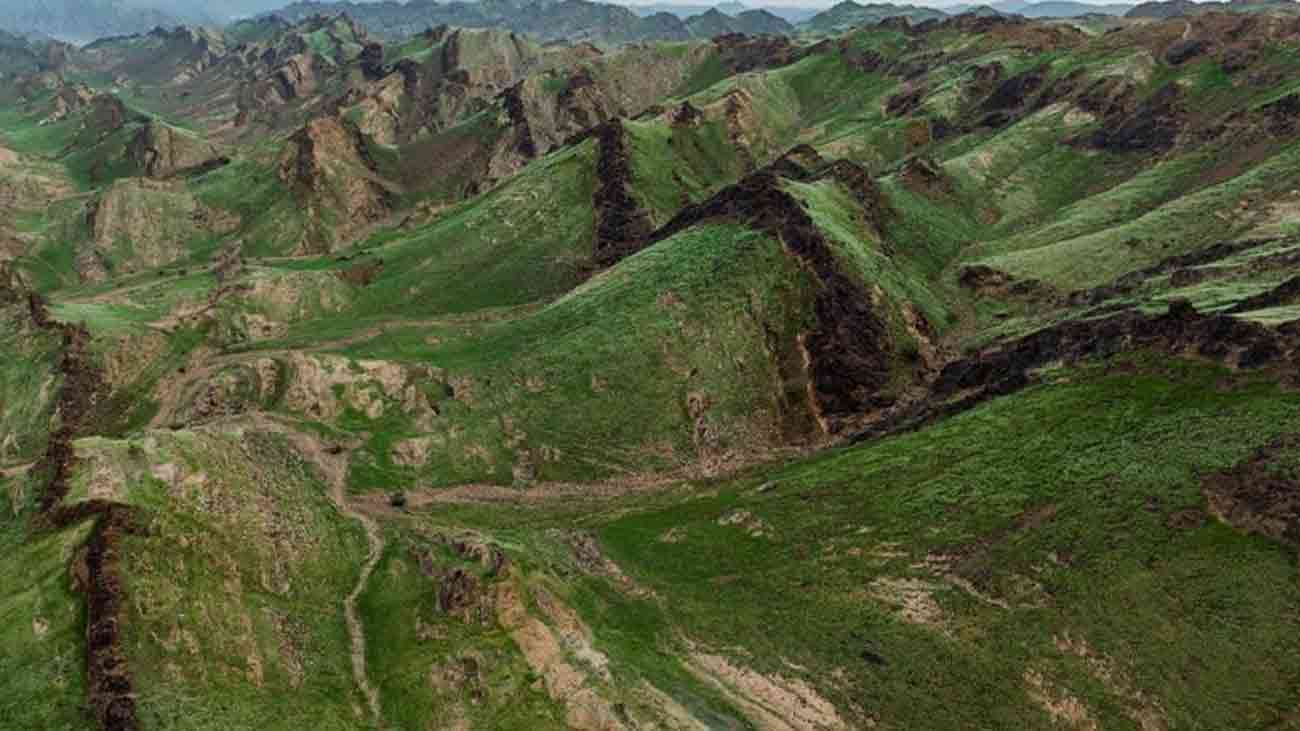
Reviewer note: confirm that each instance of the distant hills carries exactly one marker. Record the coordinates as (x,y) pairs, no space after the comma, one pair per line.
(849,14)
(81,20)
(547,20)
(1175,8)
(1047,9)
(790,14)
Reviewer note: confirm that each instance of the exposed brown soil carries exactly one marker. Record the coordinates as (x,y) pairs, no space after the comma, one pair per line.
(1261,494)
(991,282)
(769,701)
(925,176)
(848,351)
(622,226)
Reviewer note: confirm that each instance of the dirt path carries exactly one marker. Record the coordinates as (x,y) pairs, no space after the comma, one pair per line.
(356,629)
(334,466)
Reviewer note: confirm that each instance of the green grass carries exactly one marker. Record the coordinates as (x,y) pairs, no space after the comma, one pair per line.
(599,379)
(1110,458)
(673,166)
(400,606)
(1127,243)
(1176,609)
(28,381)
(238,621)
(526,241)
(1071,514)
(43,629)
(271,222)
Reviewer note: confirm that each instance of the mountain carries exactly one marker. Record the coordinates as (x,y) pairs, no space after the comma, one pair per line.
(1050,9)
(1065,9)
(1162,9)
(21,55)
(546,21)
(80,20)
(927,375)
(790,14)
(753,22)
(849,14)
(1175,8)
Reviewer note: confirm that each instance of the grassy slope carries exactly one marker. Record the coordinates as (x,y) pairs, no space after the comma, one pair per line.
(593,378)
(28,384)
(1109,459)
(238,584)
(686,316)
(44,629)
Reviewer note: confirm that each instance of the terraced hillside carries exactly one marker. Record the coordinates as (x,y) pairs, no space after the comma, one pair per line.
(926,376)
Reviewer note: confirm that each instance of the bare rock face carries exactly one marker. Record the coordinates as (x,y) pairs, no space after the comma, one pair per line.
(141,224)
(161,151)
(327,166)
(295,77)
(68,99)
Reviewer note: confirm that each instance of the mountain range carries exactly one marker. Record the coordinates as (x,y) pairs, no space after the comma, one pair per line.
(85,20)
(922,374)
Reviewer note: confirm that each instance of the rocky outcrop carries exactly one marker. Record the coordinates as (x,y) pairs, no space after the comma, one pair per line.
(1153,126)
(14,288)
(966,382)
(326,165)
(740,53)
(622,226)
(295,78)
(139,224)
(848,351)
(108,671)
(161,151)
(109,684)
(68,99)
(371,61)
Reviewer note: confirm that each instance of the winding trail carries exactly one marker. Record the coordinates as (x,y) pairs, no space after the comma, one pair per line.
(357,630)
(334,466)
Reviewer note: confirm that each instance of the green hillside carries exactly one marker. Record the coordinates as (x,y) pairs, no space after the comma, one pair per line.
(899,375)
